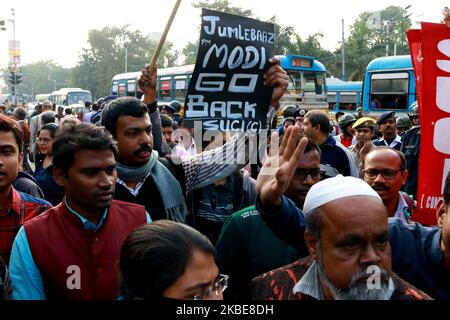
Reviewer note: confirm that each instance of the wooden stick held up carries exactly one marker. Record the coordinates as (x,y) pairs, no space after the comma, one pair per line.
(164,35)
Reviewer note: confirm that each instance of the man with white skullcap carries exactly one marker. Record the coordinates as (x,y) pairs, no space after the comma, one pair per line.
(346,235)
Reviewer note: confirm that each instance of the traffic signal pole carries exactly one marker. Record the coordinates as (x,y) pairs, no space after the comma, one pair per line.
(15,62)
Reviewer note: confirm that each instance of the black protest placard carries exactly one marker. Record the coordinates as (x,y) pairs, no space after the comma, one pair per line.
(226,91)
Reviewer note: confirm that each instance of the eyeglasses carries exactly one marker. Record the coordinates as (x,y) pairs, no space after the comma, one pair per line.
(314,173)
(386,173)
(217,288)
(42,140)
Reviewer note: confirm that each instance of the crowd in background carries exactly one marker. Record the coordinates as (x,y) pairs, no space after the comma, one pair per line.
(123,183)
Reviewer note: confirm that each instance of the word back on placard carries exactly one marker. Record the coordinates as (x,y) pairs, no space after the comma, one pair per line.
(226,91)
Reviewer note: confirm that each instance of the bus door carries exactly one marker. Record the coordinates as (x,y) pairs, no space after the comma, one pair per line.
(164,89)
(181,85)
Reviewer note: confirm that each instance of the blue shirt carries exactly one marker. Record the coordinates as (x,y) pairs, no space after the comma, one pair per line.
(25,277)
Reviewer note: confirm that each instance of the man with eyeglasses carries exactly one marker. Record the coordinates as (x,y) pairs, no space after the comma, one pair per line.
(388,129)
(344,226)
(420,255)
(245,237)
(316,126)
(385,171)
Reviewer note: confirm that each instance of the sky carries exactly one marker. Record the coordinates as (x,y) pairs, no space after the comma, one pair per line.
(58,30)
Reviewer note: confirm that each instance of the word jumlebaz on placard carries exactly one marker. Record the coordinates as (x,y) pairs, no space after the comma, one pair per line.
(237,32)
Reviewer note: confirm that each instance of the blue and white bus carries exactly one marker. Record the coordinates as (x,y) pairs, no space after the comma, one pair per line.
(172,83)
(344,96)
(389,84)
(306,88)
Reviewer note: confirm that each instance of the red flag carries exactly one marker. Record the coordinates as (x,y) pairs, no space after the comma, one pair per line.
(431,60)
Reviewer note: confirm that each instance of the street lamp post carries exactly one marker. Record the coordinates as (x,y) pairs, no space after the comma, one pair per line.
(390,25)
(403,33)
(126,59)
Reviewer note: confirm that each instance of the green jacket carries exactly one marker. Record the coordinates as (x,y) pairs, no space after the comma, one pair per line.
(247,248)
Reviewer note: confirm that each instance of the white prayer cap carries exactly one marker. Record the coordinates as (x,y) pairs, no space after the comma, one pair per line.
(336,188)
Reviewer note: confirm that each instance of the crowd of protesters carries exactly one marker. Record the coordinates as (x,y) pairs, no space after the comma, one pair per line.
(118,202)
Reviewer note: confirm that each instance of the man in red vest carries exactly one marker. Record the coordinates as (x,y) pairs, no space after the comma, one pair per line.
(71,250)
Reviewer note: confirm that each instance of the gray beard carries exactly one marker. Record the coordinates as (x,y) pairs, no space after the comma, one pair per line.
(357,289)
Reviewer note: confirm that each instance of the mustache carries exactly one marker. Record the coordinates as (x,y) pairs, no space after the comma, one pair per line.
(379,187)
(358,288)
(143,148)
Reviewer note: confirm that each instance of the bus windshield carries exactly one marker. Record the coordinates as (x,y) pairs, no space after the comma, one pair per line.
(312,83)
(389,90)
(78,97)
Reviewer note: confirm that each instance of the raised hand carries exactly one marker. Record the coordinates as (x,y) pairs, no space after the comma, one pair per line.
(279,167)
(277,78)
(365,150)
(147,82)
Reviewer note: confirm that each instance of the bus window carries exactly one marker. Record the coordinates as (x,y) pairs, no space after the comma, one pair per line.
(310,83)
(164,88)
(332,100)
(131,87)
(389,90)
(320,79)
(121,89)
(78,97)
(180,88)
(295,82)
(115,89)
(57,99)
(347,101)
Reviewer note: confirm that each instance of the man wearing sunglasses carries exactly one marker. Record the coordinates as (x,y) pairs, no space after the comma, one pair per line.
(385,171)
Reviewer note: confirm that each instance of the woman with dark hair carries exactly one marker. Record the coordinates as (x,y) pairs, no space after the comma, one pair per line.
(44,170)
(169,260)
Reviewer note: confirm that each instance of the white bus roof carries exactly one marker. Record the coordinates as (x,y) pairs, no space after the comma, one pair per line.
(66,90)
(188,69)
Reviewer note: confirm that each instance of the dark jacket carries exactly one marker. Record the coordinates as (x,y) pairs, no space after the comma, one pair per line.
(26,183)
(242,252)
(410,147)
(337,156)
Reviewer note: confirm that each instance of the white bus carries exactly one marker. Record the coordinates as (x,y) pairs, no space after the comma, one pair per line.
(73,98)
(40,98)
